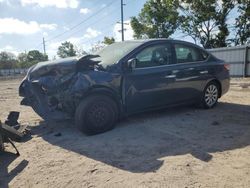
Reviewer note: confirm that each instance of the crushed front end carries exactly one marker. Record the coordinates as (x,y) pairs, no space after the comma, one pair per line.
(53,89)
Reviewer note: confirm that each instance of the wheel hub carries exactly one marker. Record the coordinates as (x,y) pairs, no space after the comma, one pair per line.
(211,95)
(98,115)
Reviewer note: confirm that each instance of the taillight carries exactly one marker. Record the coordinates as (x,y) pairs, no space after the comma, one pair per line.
(227,66)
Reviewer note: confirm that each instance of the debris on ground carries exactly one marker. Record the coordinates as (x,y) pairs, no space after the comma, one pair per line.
(11,131)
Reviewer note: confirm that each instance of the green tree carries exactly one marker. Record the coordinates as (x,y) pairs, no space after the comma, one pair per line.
(108,40)
(22,57)
(222,14)
(157,19)
(22,60)
(205,21)
(26,60)
(34,56)
(243,23)
(66,50)
(7,60)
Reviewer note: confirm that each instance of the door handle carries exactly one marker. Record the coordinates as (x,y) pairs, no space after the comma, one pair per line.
(170,76)
(203,72)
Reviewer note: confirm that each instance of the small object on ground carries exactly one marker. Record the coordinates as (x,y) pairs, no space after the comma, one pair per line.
(58,134)
(12,118)
(11,131)
(245,85)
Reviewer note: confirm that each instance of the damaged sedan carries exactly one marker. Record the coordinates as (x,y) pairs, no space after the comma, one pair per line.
(122,79)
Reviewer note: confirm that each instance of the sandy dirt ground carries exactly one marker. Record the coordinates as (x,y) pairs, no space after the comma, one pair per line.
(177,147)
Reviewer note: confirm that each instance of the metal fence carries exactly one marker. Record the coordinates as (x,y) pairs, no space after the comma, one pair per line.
(12,72)
(238,57)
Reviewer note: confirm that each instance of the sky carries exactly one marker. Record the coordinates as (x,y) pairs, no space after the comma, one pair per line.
(23,23)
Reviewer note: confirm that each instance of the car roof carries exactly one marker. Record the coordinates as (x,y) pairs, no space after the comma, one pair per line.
(146,40)
(143,41)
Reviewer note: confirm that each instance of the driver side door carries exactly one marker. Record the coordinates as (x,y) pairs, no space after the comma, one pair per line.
(147,85)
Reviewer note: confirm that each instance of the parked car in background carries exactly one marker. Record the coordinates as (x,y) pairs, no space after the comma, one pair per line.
(122,79)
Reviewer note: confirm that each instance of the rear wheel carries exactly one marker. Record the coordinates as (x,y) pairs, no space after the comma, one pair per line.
(210,95)
(96,114)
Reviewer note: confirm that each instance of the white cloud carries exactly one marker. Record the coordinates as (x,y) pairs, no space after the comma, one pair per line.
(52,49)
(128,31)
(85,10)
(49,26)
(5,1)
(75,40)
(9,48)
(15,26)
(45,34)
(66,28)
(79,43)
(52,3)
(92,33)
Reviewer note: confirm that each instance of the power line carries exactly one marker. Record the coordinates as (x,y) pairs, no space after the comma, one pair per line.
(89,40)
(94,23)
(80,23)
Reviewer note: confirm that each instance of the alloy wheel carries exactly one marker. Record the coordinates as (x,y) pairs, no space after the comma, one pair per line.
(211,95)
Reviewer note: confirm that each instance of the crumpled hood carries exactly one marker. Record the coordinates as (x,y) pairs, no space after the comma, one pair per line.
(61,66)
(64,66)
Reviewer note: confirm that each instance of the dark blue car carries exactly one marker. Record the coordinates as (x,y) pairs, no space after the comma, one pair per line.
(122,79)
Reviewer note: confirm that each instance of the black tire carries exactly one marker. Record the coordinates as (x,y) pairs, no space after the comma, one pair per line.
(96,114)
(210,95)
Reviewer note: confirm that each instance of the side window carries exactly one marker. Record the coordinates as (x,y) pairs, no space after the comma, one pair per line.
(185,53)
(154,56)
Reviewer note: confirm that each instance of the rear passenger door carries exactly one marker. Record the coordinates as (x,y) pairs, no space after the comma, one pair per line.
(189,71)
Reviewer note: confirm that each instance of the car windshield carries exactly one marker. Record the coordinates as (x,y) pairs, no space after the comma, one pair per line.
(114,52)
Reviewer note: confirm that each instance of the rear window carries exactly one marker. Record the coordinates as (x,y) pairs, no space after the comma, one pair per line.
(185,54)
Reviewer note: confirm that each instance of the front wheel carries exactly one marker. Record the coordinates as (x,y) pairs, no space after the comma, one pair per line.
(210,95)
(96,114)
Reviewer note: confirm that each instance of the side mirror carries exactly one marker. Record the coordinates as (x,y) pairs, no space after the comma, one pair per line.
(132,63)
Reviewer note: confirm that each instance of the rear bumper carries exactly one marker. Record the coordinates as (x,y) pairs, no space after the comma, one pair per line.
(225,85)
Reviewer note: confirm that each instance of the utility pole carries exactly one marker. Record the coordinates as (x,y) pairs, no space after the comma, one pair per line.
(122,20)
(44,50)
